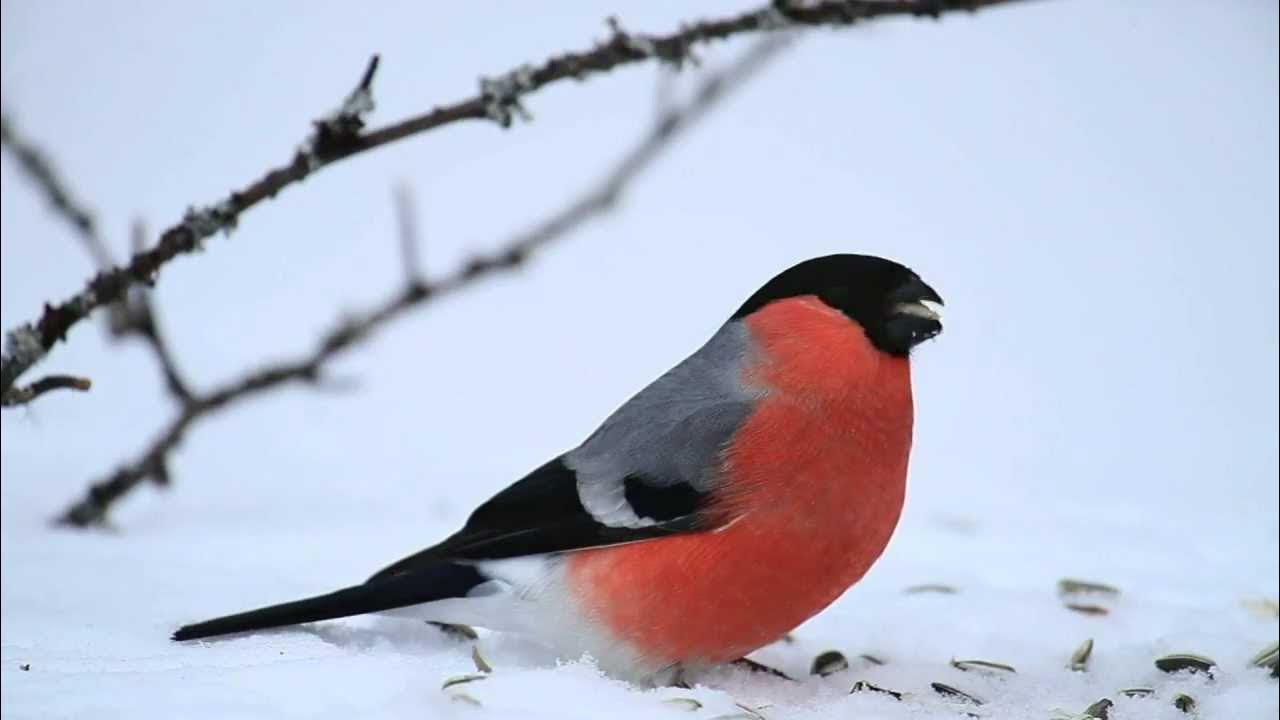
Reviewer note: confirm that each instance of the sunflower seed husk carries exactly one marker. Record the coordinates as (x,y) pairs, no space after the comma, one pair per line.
(464,632)
(1070,586)
(1185,661)
(479,660)
(829,663)
(864,686)
(463,697)
(759,667)
(1185,703)
(1100,710)
(931,588)
(1138,692)
(685,703)
(460,679)
(872,659)
(1085,609)
(752,711)
(982,666)
(1267,657)
(948,691)
(1080,658)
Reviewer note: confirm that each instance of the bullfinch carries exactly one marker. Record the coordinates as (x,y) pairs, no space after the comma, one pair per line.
(733,498)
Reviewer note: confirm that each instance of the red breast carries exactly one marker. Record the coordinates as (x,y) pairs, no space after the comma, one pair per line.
(817,473)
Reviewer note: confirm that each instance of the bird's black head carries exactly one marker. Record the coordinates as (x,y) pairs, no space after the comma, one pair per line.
(895,308)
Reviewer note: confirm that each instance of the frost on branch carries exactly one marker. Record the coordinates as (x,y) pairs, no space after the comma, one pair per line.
(22,345)
(502,95)
(675,54)
(343,124)
(208,220)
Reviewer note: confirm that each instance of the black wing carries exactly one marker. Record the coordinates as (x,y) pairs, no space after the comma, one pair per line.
(543,513)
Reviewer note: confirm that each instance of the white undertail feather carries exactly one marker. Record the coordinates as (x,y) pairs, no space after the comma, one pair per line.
(529,596)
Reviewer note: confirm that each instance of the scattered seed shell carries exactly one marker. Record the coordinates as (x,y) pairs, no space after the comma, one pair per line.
(931,588)
(465,632)
(460,679)
(1080,658)
(829,663)
(479,660)
(1185,661)
(872,659)
(864,686)
(759,667)
(1085,609)
(1138,692)
(1069,586)
(25,667)
(1185,703)
(1267,656)
(1100,710)
(948,691)
(686,703)
(982,666)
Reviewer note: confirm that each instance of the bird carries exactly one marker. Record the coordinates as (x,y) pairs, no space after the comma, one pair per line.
(730,500)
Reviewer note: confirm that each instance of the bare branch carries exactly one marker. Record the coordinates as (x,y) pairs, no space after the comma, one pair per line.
(23,395)
(130,316)
(135,316)
(602,197)
(500,99)
(42,173)
(26,344)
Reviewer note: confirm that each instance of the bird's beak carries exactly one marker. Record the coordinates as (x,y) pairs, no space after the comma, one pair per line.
(918,300)
(927,309)
(915,314)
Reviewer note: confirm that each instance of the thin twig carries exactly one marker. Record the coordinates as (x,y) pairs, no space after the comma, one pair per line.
(135,316)
(23,395)
(42,173)
(130,316)
(338,137)
(602,197)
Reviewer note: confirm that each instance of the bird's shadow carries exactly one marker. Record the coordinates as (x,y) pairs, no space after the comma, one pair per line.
(417,636)
(397,634)
(401,635)
(412,636)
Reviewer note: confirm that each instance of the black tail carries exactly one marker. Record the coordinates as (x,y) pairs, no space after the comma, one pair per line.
(436,582)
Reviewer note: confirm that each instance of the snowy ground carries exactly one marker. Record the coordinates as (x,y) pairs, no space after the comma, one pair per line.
(90,615)
(1091,185)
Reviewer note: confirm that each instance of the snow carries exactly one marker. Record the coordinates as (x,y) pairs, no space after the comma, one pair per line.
(91,614)
(1093,191)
